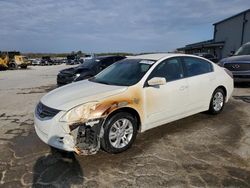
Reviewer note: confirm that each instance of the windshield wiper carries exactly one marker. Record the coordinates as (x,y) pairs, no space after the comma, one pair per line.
(102,82)
(97,81)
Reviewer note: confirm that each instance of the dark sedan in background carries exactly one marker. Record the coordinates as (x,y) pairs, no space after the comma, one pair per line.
(88,69)
(239,64)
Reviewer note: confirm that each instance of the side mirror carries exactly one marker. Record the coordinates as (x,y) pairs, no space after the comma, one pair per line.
(156,81)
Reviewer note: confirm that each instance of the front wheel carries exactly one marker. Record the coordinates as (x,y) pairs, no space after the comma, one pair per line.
(217,101)
(12,66)
(119,133)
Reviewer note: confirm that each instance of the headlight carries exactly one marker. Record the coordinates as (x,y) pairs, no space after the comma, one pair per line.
(79,113)
(221,63)
(77,75)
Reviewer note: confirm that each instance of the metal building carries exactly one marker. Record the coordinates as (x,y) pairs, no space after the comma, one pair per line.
(229,35)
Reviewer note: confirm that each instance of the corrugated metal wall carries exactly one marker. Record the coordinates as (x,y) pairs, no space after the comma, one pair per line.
(230,31)
(247,29)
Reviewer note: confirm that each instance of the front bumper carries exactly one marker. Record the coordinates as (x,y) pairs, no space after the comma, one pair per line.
(241,76)
(64,79)
(82,138)
(52,133)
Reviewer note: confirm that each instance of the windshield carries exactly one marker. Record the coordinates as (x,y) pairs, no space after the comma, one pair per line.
(243,50)
(124,73)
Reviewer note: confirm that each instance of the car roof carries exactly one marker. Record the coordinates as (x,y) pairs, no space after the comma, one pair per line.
(155,57)
(107,56)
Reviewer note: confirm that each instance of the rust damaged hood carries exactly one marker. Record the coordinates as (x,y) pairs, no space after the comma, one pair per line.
(69,96)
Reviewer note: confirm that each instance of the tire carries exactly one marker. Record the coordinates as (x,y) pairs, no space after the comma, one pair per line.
(217,101)
(111,127)
(23,66)
(12,66)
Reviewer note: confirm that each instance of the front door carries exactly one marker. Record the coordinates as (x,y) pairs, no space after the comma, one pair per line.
(168,101)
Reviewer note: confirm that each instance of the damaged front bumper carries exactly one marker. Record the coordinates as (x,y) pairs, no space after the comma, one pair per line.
(82,138)
(88,136)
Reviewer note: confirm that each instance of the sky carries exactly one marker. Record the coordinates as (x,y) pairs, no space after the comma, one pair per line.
(110,25)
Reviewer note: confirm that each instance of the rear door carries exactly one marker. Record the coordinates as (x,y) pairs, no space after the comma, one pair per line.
(200,77)
(165,102)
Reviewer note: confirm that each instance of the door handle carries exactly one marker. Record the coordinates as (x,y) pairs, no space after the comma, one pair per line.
(183,88)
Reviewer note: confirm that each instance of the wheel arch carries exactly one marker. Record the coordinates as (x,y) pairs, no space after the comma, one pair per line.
(223,88)
(129,110)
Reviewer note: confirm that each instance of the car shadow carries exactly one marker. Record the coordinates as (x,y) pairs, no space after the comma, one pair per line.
(243,98)
(57,169)
(242,85)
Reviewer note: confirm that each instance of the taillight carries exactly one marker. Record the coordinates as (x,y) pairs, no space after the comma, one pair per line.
(229,73)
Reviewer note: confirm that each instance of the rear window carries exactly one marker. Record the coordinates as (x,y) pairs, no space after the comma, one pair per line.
(196,66)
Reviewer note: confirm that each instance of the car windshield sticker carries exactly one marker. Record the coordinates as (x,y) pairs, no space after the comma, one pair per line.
(147,62)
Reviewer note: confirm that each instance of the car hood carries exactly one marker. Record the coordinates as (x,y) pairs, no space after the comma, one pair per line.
(68,71)
(74,70)
(71,95)
(236,59)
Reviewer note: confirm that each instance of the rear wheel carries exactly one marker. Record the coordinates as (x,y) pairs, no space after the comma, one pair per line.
(119,133)
(217,101)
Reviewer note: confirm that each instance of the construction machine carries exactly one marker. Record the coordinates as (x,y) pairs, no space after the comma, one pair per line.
(4,61)
(13,60)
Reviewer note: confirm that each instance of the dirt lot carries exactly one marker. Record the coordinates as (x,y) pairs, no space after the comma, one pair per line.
(199,151)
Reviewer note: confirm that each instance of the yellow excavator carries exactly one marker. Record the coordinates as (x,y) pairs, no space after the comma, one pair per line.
(4,61)
(13,60)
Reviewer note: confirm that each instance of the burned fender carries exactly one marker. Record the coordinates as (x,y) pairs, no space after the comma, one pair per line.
(88,132)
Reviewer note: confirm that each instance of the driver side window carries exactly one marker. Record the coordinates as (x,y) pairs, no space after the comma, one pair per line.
(170,69)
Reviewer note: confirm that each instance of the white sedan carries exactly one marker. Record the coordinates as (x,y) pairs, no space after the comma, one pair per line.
(130,96)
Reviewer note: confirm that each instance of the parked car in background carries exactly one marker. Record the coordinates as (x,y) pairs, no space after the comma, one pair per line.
(57,61)
(239,64)
(132,95)
(88,57)
(46,60)
(207,56)
(86,70)
(35,62)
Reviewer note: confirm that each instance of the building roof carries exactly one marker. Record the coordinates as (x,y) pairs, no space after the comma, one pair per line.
(200,43)
(248,10)
(203,44)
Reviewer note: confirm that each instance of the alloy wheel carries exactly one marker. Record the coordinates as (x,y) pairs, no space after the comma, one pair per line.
(218,101)
(121,133)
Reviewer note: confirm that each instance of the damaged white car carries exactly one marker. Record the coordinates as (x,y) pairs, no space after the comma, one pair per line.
(130,96)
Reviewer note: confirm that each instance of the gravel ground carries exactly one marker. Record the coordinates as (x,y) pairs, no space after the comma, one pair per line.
(198,151)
